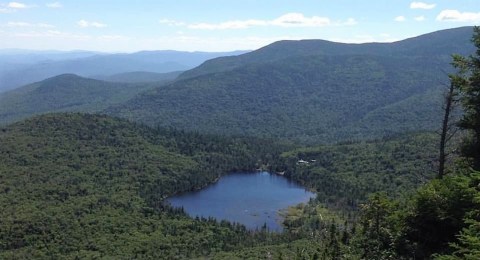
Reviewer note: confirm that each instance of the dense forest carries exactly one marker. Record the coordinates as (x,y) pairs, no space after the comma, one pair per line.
(76,185)
(69,183)
(312,99)
(64,93)
(310,91)
(81,186)
(343,175)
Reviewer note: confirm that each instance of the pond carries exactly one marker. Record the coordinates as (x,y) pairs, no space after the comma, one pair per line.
(252,199)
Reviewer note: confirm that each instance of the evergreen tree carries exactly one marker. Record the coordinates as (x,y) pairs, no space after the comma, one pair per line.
(376,236)
(467,81)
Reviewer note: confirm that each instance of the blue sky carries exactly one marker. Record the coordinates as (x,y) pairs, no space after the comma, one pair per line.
(220,25)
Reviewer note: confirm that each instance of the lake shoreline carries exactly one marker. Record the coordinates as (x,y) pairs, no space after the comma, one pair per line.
(253,199)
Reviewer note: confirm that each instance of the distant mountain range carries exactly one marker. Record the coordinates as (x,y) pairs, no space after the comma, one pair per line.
(309,91)
(19,56)
(140,76)
(20,68)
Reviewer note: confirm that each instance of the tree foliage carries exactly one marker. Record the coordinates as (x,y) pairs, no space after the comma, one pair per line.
(343,175)
(89,186)
(313,99)
(467,80)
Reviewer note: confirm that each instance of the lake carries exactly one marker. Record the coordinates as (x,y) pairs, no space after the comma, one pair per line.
(252,199)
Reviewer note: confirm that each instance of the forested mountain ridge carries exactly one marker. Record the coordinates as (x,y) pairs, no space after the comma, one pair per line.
(65,92)
(312,91)
(309,91)
(437,44)
(311,98)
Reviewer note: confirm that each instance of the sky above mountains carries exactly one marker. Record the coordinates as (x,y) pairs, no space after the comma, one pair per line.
(220,25)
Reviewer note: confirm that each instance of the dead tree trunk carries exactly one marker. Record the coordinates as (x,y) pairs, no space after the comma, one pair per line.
(445,135)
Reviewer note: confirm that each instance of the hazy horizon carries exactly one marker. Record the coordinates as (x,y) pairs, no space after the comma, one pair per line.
(23,51)
(214,25)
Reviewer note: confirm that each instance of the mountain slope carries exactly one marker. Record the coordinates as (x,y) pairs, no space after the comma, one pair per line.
(440,44)
(64,93)
(310,91)
(90,174)
(315,98)
(309,98)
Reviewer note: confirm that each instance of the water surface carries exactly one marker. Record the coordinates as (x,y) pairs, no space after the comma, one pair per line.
(252,199)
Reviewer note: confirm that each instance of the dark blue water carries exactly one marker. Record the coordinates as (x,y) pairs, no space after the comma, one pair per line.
(252,199)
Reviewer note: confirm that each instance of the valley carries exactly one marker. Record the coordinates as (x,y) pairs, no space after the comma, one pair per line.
(306,149)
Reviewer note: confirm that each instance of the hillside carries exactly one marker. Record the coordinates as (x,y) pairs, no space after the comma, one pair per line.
(15,75)
(88,186)
(344,175)
(439,44)
(66,92)
(315,98)
(311,91)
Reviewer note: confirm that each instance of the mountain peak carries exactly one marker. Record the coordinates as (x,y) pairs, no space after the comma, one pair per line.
(431,44)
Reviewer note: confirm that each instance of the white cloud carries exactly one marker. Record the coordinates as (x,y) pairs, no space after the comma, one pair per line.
(54,5)
(82,23)
(400,19)
(171,22)
(419,18)
(457,16)
(363,38)
(112,37)
(286,20)
(12,7)
(421,5)
(184,42)
(17,24)
(24,24)
(228,25)
(299,20)
(17,5)
(85,24)
(45,25)
(350,21)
